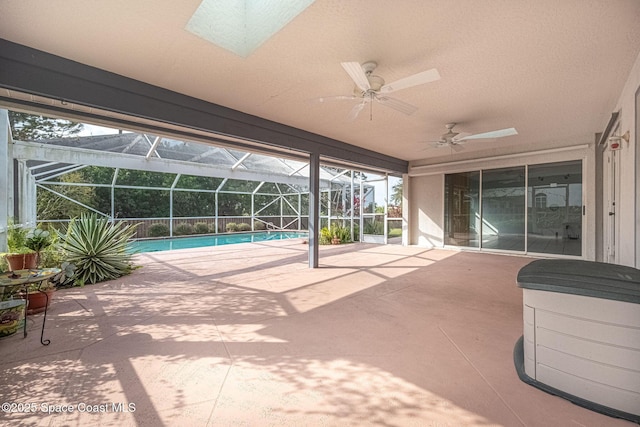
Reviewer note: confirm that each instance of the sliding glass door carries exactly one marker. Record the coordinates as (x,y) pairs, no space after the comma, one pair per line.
(536,208)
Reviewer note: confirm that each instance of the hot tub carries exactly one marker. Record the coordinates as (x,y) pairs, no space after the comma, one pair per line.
(581,334)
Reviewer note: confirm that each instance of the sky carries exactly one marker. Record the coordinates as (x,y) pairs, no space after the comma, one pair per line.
(92,130)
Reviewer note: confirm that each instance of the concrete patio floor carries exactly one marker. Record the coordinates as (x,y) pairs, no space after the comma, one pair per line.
(248,335)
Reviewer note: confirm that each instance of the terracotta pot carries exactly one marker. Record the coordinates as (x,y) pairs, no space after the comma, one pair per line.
(22,261)
(38,301)
(335,241)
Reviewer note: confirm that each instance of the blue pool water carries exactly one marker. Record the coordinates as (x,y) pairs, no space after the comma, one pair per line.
(200,241)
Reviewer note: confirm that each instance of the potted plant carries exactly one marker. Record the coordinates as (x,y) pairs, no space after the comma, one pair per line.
(38,240)
(19,257)
(40,295)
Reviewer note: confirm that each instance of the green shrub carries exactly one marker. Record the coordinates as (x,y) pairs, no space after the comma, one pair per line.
(183,229)
(243,226)
(158,230)
(212,228)
(259,225)
(232,226)
(97,248)
(200,228)
(394,232)
(16,238)
(342,233)
(325,236)
(52,255)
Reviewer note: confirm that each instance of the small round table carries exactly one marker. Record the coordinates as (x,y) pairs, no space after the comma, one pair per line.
(23,279)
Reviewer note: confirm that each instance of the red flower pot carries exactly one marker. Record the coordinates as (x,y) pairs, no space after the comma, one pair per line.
(22,261)
(38,301)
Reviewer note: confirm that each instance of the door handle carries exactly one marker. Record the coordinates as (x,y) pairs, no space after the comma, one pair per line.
(611,213)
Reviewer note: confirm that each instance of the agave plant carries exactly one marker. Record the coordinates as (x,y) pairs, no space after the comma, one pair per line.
(97,248)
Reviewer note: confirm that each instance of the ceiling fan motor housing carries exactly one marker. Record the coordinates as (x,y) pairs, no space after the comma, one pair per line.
(375,82)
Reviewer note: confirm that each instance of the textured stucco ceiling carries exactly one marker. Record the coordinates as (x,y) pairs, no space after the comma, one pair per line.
(552,69)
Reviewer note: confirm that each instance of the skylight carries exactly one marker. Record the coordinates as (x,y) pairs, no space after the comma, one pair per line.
(241,26)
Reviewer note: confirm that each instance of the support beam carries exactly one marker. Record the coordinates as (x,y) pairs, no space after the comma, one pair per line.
(59,172)
(44,152)
(239,162)
(26,194)
(113,193)
(173,187)
(297,170)
(406,209)
(351,208)
(72,84)
(314,209)
(152,149)
(6,174)
(72,200)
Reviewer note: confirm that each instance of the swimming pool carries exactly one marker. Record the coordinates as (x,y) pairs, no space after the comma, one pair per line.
(156,245)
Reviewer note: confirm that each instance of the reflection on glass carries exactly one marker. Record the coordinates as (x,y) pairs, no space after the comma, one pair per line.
(555,208)
(373,225)
(503,195)
(462,209)
(369,199)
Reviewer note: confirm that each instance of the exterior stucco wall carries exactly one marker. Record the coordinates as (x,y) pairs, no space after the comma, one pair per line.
(426,215)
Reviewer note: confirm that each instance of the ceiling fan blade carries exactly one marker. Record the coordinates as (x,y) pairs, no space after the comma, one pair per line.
(396,104)
(323,99)
(414,80)
(490,135)
(353,114)
(357,74)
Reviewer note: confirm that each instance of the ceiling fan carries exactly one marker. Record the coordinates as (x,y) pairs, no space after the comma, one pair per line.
(454,140)
(370,87)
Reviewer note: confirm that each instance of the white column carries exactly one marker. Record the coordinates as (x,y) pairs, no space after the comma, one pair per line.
(26,195)
(6,177)
(353,197)
(406,207)
(385,218)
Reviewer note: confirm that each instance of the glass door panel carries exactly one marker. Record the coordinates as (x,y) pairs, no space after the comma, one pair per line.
(462,209)
(555,208)
(503,204)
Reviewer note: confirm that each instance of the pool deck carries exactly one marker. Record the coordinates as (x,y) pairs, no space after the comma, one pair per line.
(248,335)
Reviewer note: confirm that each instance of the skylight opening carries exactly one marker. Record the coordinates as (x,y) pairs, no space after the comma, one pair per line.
(241,26)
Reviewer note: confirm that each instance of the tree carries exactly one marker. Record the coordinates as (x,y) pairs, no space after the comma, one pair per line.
(52,206)
(31,127)
(396,196)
